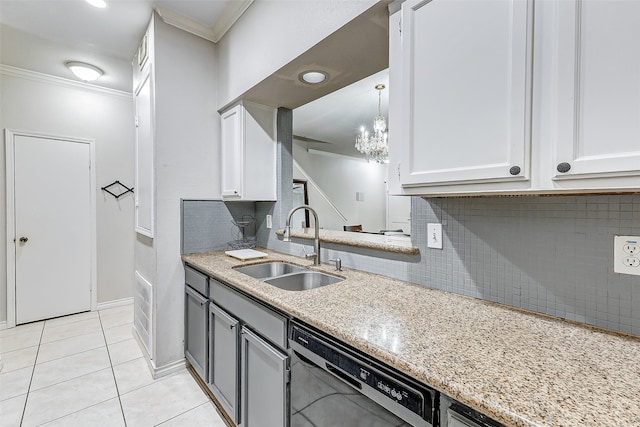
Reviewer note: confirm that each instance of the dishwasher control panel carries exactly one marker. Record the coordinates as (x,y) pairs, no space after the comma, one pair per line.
(354,372)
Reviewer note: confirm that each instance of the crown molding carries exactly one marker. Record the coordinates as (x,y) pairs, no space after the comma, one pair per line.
(231,13)
(8,70)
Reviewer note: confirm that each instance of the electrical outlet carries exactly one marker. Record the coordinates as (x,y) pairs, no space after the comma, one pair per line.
(269,221)
(626,254)
(434,236)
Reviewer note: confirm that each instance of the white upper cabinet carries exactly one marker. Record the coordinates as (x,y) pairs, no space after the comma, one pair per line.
(515,96)
(594,106)
(248,153)
(466,91)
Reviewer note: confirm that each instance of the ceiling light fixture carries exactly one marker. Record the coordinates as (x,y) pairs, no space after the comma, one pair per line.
(313,77)
(97,3)
(375,146)
(83,71)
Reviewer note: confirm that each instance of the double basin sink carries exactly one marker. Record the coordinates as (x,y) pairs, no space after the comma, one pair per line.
(287,276)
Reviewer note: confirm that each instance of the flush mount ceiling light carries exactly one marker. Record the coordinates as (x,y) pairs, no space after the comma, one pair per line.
(313,77)
(83,71)
(97,3)
(375,146)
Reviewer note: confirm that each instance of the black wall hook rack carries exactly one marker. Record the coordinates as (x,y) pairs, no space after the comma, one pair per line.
(117,196)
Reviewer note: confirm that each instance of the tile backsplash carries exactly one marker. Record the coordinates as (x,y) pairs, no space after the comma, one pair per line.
(552,255)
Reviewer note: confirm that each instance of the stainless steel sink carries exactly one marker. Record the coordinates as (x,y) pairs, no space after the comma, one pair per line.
(303,281)
(270,269)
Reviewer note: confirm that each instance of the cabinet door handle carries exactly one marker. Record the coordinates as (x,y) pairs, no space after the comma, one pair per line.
(563,167)
(23,239)
(515,170)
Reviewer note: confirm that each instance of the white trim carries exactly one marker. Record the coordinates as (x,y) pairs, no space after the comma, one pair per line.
(10,215)
(162,371)
(231,13)
(8,70)
(169,368)
(3,325)
(114,303)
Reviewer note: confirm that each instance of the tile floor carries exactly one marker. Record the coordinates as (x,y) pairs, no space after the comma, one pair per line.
(87,370)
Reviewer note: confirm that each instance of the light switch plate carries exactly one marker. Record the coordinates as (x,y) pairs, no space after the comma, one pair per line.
(269,221)
(626,255)
(434,236)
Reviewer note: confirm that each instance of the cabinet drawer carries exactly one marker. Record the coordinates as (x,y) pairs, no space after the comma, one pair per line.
(196,280)
(266,322)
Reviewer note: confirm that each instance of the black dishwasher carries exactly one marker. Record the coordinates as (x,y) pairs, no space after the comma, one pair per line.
(334,385)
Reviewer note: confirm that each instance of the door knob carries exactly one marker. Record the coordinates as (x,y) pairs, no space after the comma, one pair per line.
(24,239)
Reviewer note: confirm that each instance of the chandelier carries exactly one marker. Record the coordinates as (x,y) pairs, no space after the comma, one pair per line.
(375,146)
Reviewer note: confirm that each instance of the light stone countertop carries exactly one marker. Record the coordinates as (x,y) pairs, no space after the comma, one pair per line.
(520,368)
(392,243)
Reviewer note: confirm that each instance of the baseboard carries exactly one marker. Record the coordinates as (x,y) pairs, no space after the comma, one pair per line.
(162,371)
(114,303)
(169,368)
(3,325)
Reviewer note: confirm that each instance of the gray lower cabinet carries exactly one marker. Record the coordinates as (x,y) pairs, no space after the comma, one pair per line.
(265,379)
(196,335)
(224,344)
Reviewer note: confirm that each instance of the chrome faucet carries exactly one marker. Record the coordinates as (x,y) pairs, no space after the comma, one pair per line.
(316,240)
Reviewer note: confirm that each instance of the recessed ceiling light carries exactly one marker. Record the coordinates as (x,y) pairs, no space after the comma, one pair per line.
(83,71)
(97,3)
(313,77)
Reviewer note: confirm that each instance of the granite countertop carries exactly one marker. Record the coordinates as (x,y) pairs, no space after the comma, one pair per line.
(519,368)
(391,243)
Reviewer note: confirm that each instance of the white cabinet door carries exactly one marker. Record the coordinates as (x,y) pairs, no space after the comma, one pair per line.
(466,91)
(595,107)
(232,152)
(249,152)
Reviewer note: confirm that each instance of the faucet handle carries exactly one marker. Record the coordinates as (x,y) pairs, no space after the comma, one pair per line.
(338,262)
(307,254)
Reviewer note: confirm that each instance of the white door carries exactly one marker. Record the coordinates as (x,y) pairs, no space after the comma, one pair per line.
(52,217)
(465,91)
(596,101)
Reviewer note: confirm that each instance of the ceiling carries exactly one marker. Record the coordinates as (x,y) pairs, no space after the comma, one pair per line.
(41,35)
(56,31)
(335,119)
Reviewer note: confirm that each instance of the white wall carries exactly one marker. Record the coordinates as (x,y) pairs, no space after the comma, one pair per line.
(187,152)
(340,177)
(271,33)
(32,102)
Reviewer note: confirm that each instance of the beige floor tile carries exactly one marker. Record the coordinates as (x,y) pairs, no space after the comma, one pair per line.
(105,414)
(113,320)
(15,383)
(19,341)
(164,399)
(51,403)
(68,330)
(72,318)
(19,359)
(69,346)
(124,310)
(119,333)
(66,368)
(21,329)
(132,375)
(11,410)
(204,415)
(124,351)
